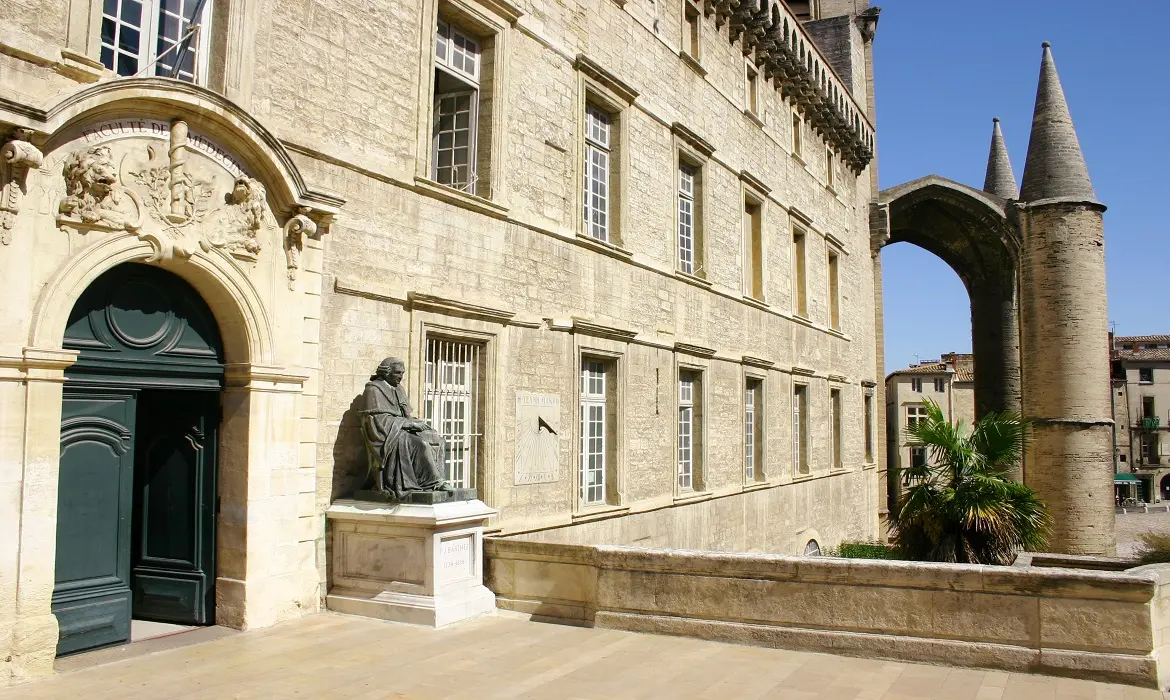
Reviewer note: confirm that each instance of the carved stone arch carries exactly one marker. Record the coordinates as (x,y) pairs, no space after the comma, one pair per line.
(974,234)
(164,99)
(243,323)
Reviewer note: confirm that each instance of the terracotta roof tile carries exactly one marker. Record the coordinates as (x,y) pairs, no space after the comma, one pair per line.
(1127,339)
(1159,355)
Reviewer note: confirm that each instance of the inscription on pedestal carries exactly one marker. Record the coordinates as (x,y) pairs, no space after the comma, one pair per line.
(455,557)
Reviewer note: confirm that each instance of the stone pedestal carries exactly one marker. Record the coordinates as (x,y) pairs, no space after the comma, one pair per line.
(407,562)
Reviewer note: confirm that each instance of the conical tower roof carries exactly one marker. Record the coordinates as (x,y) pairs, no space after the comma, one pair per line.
(1000,180)
(1056,167)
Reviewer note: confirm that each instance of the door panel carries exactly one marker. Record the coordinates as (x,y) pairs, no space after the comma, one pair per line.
(91,593)
(173,565)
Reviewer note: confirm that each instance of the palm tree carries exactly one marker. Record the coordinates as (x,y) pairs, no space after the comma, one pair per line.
(959,504)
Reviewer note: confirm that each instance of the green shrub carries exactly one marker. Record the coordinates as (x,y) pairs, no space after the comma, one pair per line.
(864,550)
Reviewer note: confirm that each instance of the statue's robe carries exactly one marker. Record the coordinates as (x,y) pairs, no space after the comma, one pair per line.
(408,461)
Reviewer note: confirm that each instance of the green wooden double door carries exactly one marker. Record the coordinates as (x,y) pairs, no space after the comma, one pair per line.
(137,473)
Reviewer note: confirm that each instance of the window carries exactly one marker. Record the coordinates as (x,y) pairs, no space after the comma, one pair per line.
(691,30)
(812,549)
(1146,375)
(829,171)
(834,293)
(454,134)
(1148,407)
(916,384)
(753,246)
(166,38)
(868,429)
(689,431)
(800,429)
(452,402)
(917,456)
(753,430)
(835,460)
(797,134)
(686,218)
(914,414)
(940,385)
(803,9)
(1150,448)
(751,99)
(597,170)
(799,286)
(597,482)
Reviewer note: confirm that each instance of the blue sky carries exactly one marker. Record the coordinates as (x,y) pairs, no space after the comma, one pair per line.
(944,68)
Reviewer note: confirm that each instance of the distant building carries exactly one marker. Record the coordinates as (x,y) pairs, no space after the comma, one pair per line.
(1141,412)
(949,382)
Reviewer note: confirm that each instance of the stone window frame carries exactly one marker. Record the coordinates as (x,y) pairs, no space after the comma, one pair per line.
(869,418)
(488,22)
(797,133)
(752,93)
(830,169)
(688,10)
(615,353)
(761,473)
(801,429)
(833,257)
(425,324)
(798,269)
(699,453)
(688,148)
(598,87)
(836,425)
(755,193)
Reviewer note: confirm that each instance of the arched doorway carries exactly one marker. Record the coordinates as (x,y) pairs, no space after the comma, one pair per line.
(139,439)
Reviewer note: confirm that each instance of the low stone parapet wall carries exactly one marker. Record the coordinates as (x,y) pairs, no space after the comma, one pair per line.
(1089,624)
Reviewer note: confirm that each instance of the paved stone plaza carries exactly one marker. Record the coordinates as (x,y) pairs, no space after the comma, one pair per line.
(337,656)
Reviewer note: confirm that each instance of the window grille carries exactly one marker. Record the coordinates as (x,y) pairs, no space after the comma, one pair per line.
(686,430)
(593,410)
(451,404)
(169,35)
(597,157)
(686,219)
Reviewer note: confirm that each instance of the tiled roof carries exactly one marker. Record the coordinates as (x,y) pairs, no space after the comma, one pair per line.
(924,368)
(964,375)
(1128,339)
(1159,355)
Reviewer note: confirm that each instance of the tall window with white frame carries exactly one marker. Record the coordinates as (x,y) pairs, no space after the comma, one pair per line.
(753,430)
(167,38)
(597,473)
(690,475)
(868,428)
(598,170)
(461,107)
(453,405)
(835,459)
(799,283)
(800,429)
(687,229)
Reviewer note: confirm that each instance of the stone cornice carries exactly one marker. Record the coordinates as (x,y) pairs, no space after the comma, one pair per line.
(454,307)
(757,362)
(754,182)
(587,327)
(696,350)
(609,81)
(700,144)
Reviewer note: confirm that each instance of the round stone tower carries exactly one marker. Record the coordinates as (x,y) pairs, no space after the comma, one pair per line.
(1064,341)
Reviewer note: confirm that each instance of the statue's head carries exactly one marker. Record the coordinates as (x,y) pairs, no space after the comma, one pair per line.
(392,370)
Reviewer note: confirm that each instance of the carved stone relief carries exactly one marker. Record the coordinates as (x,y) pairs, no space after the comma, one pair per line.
(95,197)
(17,157)
(298,226)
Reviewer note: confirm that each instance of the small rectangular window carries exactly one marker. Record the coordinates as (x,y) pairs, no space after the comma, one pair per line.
(686,218)
(691,30)
(1148,407)
(597,172)
(829,171)
(834,293)
(916,385)
(753,243)
(800,429)
(914,414)
(799,285)
(835,460)
(751,85)
(753,430)
(797,134)
(940,385)
(917,456)
(689,431)
(1146,375)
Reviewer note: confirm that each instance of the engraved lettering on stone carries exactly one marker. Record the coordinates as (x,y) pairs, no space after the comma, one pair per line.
(16,158)
(455,556)
(538,428)
(295,230)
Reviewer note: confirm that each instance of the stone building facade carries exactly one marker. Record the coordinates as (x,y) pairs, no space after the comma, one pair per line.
(948,382)
(217,222)
(1141,413)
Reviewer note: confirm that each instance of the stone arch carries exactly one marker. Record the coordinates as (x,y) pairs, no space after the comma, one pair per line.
(244,325)
(971,232)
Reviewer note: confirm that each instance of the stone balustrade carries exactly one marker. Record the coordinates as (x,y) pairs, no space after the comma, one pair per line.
(1100,625)
(791,60)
